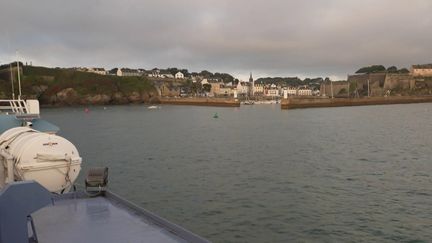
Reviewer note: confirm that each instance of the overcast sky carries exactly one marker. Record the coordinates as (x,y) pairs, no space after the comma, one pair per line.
(303,38)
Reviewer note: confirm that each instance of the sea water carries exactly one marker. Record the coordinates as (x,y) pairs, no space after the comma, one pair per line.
(262,174)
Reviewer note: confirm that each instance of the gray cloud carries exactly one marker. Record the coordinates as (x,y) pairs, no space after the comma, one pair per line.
(277,38)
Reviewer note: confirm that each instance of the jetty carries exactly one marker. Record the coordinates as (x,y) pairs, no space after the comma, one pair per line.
(297,103)
(220,102)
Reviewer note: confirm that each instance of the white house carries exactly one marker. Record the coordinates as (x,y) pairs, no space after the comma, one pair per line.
(119,72)
(305,92)
(291,91)
(272,93)
(179,75)
(155,73)
(100,71)
(165,74)
(127,72)
(242,88)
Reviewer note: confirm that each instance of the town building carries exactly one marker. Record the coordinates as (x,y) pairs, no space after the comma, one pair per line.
(258,89)
(291,91)
(215,86)
(242,88)
(179,75)
(127,72)
(100,71)
(165,74)
(304,92)
(271,91)
(154,73)
(423,70)
(225,91)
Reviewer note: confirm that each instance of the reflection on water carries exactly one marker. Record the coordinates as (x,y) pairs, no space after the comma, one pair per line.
(259,174)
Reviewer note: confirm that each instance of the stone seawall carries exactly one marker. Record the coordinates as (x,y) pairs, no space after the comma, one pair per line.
(296,103)
(222,102)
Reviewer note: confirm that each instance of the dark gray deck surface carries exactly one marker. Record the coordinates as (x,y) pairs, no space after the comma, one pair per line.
(96,219)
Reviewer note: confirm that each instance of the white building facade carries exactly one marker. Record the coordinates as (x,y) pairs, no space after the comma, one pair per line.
(304,92)
(179,75)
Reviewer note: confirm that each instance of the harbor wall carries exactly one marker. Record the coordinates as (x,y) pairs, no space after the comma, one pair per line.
(222,102)
(295,103)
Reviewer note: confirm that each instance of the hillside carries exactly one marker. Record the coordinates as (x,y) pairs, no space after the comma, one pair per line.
(59,86)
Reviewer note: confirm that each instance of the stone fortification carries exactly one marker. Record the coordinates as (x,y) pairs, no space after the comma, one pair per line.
(380,83)
(398,81)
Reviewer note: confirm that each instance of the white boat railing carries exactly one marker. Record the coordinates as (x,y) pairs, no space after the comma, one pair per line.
(14,107)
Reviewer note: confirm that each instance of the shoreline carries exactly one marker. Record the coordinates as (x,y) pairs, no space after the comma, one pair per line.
(299,103)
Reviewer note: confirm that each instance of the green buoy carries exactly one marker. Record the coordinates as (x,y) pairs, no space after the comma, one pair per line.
(215,115)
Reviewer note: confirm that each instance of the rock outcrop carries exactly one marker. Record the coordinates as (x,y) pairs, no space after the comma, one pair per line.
(69,97)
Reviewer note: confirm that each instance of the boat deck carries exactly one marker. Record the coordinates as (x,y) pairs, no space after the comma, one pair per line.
(75,217)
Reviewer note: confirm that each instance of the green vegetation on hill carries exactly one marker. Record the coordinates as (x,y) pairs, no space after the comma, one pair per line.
(381,68)
(43,83)
(83,82)
(225,77)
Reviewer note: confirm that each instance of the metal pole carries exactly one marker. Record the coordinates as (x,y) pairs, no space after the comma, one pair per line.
(368,88)
(12,81)
(348,91)
(331,88)
(19,79)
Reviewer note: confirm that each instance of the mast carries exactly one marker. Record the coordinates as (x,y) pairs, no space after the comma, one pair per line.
(331,88)
(348,91)
(252,83)
(19,79)
(12,81)
(368,88)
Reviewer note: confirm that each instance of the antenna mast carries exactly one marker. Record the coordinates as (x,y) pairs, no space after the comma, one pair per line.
(12,81)
(19,79)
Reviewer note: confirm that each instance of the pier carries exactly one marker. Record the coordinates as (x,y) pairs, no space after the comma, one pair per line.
(297,103)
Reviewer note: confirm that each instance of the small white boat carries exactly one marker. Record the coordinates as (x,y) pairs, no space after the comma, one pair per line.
(153,107)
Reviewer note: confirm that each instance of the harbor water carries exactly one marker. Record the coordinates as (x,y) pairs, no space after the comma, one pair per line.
(262,174)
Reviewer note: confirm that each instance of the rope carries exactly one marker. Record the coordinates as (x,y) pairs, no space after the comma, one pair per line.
(11,139)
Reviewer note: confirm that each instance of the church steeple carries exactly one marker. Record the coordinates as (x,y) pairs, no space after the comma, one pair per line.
(252,86)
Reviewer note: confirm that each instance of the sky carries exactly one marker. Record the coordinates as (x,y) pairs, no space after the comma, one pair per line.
(277,38)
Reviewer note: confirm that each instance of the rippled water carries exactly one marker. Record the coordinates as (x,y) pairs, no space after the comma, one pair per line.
(259,174)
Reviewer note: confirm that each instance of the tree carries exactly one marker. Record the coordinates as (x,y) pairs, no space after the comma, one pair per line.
(372,69)
(172,71)
(196,88)
(403,70)
(392,69)
(206,74)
